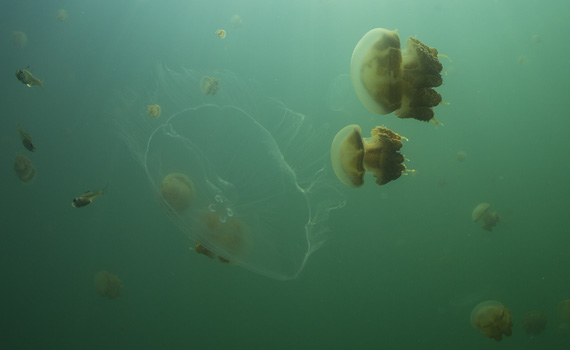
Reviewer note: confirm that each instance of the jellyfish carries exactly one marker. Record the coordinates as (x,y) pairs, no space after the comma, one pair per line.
(352,156)
(461,155)
(260,197)
(177,191)
(107,285)
(564,311)
(62,15)
(492,319)
(24,168)
(534,322)
(209,85)
(154,111)
(482,213)
(20,39)
(388,79)
(236,21)
(221,33)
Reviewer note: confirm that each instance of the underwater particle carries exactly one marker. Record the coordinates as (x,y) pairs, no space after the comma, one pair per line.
(177,190)
(534,322)
(20,39)
(62,15)
(482,213)
(209,85)
(388,79)
(352,156)
(461,155)
(107,285)
(26,139)
(154,111)
(492,319)
(221,33)
(24,168)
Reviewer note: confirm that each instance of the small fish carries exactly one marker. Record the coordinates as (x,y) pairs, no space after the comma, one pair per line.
(26,140)
(26,77)
(87,197)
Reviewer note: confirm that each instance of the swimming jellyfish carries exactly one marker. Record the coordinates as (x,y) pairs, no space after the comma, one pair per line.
(352,156)
(258,198)
(107,285)
(154,111)
(177,191)
(388,79)
(492,319)
(482,213)
(221,33)
(24,168)
(209,85)
(62,15)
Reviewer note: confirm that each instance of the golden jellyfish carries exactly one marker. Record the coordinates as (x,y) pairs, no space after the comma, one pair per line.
(107,285)
(388,79)
(24,168)
(564,311)
(177,190)
(209,85)
(352,156)
(154,111)
(62,15)
(492,319)
(461,155)
(534,322)
(20,39)
(236,21)
(221,33)
(482,213)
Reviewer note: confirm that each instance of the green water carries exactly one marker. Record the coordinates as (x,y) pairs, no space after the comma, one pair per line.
(401,266)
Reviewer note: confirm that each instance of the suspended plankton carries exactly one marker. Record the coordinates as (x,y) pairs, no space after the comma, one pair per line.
(221,33)
(154,111)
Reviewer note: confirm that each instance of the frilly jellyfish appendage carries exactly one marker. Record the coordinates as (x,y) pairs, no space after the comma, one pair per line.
(251,205)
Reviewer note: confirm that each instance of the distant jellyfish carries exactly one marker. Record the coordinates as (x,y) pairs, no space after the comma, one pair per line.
(230,235)
(177,190)
(388,79)
(154,111)
(564,311)
(482,213)
(209,85)
(536,39)
(461,155)
(492,319)
(20,39)
(221,33)
(107,285)
(534,322)
(522,59)
(24,168)
(62,15)
(352,156)
(236,21)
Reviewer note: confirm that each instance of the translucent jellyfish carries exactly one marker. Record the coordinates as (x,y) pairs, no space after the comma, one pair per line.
(352,156)
(107,285)
(209,85)
(24,168)
(388,79)
(260,196)
(534,322)
(461,156)
(482,213)
(236,21)
(62,15)
(154,111)
(177,191)
(221,33)
(20,39)
(492,319)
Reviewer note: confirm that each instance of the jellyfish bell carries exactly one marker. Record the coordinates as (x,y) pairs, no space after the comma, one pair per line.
(209,85)
(482,213)
(24,168)
(107,285)
(177,190)
(492,319)
(388,79)
(20,39)
(221,33)
(261,200)
(154,111)
(352,155)
(62,15)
